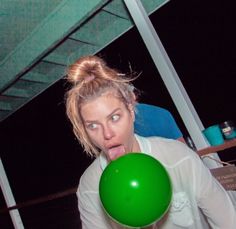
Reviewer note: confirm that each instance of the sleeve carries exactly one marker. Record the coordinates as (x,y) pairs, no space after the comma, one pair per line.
(91,212)
(212,198)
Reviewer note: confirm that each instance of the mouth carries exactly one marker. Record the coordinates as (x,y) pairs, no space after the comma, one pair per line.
(115,151)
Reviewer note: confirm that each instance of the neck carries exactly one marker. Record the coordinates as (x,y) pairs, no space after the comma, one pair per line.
(135,147)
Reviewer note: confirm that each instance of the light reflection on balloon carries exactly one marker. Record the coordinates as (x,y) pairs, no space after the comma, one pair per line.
(134,183)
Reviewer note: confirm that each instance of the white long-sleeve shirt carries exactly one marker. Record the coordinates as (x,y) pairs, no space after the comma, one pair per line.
(198,202)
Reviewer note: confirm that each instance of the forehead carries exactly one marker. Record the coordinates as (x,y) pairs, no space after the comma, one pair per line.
(103,105)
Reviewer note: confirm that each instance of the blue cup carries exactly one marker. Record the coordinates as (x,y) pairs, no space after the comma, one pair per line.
(214,135)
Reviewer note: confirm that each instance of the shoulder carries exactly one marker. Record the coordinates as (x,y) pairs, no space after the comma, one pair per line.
(171,151)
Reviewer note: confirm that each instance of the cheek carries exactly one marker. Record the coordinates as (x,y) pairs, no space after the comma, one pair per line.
(127,127)
(94,138)
(131,118)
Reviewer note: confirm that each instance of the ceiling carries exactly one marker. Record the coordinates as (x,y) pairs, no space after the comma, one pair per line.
(40,38)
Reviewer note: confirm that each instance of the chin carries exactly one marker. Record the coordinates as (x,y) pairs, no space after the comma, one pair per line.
(117,156)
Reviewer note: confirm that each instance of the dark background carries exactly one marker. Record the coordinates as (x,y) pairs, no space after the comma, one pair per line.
(39,151)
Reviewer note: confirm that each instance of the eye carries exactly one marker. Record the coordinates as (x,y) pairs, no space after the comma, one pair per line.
(115,117)
(92,126)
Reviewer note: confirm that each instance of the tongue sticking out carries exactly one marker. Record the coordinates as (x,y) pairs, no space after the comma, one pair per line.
(115,152)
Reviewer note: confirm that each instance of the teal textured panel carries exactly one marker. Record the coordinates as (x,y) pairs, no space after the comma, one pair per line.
(37,77)
(47,34)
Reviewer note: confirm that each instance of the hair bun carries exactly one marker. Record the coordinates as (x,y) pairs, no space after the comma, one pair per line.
(85,69)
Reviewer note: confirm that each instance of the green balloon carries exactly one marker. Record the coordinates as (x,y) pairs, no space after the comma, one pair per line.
(135,190)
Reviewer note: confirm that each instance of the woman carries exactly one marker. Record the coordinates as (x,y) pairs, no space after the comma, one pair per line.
(100,106)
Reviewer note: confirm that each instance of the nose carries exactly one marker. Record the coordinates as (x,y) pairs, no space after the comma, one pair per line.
(108,133)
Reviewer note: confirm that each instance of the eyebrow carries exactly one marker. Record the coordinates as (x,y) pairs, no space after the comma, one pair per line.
(108,116)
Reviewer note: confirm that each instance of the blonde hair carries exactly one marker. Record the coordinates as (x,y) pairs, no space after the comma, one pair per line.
(90,78)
